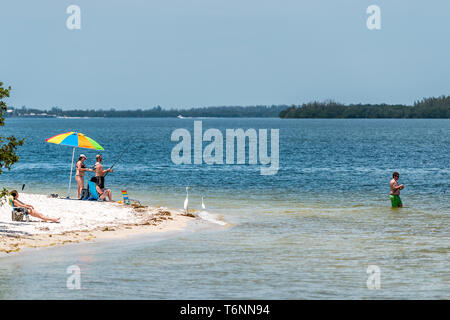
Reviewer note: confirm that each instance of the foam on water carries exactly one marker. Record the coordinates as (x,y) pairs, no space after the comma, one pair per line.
(205,215)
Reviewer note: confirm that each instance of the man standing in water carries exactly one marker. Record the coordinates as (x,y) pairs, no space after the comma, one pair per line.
(395,191)
(100,172)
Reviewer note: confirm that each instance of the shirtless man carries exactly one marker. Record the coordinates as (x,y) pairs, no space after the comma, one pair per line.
(395,191)
(100,172)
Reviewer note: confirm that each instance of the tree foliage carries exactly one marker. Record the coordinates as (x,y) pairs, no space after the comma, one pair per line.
(8,145)
(425,108)
(221,111)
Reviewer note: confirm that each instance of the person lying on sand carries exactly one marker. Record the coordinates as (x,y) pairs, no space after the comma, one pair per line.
(29,208)
(102,193)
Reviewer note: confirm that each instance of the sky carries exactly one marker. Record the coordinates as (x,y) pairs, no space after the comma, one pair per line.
(189,53)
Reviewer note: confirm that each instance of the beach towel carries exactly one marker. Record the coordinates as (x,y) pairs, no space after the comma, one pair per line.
(125,197)
(127,200)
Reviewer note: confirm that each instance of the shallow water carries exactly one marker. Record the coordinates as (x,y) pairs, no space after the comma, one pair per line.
(310,231)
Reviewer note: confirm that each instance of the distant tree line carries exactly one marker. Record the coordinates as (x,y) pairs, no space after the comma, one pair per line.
(425,108)
(223,112)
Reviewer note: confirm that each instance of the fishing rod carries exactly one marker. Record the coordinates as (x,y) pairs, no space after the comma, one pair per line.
(118,159)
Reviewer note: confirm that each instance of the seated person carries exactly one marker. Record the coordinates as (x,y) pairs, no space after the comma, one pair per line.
(29,208)
(102,193)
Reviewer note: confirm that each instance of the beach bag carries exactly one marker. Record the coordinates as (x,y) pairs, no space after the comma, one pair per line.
(19,213)
(84,194)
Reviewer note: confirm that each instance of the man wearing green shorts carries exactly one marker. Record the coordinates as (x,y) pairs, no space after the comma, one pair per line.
(395,191)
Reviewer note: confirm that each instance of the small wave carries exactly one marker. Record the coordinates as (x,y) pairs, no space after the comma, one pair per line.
(205,215)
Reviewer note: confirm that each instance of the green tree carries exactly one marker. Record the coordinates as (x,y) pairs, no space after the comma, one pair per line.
(8,145)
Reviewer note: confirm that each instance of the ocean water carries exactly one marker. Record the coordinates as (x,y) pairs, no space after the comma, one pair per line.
(310,231)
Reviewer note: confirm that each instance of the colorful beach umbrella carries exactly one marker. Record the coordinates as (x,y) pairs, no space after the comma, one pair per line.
(75,140)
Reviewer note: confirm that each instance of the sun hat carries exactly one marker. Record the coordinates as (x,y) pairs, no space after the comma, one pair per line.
(83,156)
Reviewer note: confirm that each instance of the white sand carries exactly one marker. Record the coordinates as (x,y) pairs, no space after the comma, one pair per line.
(81,220)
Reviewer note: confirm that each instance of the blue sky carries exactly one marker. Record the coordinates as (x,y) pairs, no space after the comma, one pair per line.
(182,53)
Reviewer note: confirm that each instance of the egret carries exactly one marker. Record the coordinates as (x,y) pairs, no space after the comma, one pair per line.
(203,205)
(186,202)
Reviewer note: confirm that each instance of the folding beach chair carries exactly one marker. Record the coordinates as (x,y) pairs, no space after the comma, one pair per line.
(17,214)
(127,200)
(92,190)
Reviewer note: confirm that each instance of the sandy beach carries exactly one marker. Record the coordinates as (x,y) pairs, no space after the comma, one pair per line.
(82,221)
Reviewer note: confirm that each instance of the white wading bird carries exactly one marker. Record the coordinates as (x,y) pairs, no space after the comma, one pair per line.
(203,205)
(186,202)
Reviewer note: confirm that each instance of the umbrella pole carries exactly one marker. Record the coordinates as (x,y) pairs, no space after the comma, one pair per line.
(71,167)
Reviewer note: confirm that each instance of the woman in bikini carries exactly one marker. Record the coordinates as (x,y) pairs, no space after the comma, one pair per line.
(79,175)
(29,208)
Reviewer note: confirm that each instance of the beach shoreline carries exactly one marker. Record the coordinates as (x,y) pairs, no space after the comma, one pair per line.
(84,221)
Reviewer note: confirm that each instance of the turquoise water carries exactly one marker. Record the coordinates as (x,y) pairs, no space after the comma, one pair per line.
(310,231)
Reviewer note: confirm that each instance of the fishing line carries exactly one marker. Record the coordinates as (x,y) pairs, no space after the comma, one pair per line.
(120,157)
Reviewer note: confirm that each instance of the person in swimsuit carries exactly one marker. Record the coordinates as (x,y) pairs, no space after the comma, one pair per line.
(29,208)
(395,191)
(79,175)
(102,193)
(100,172)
